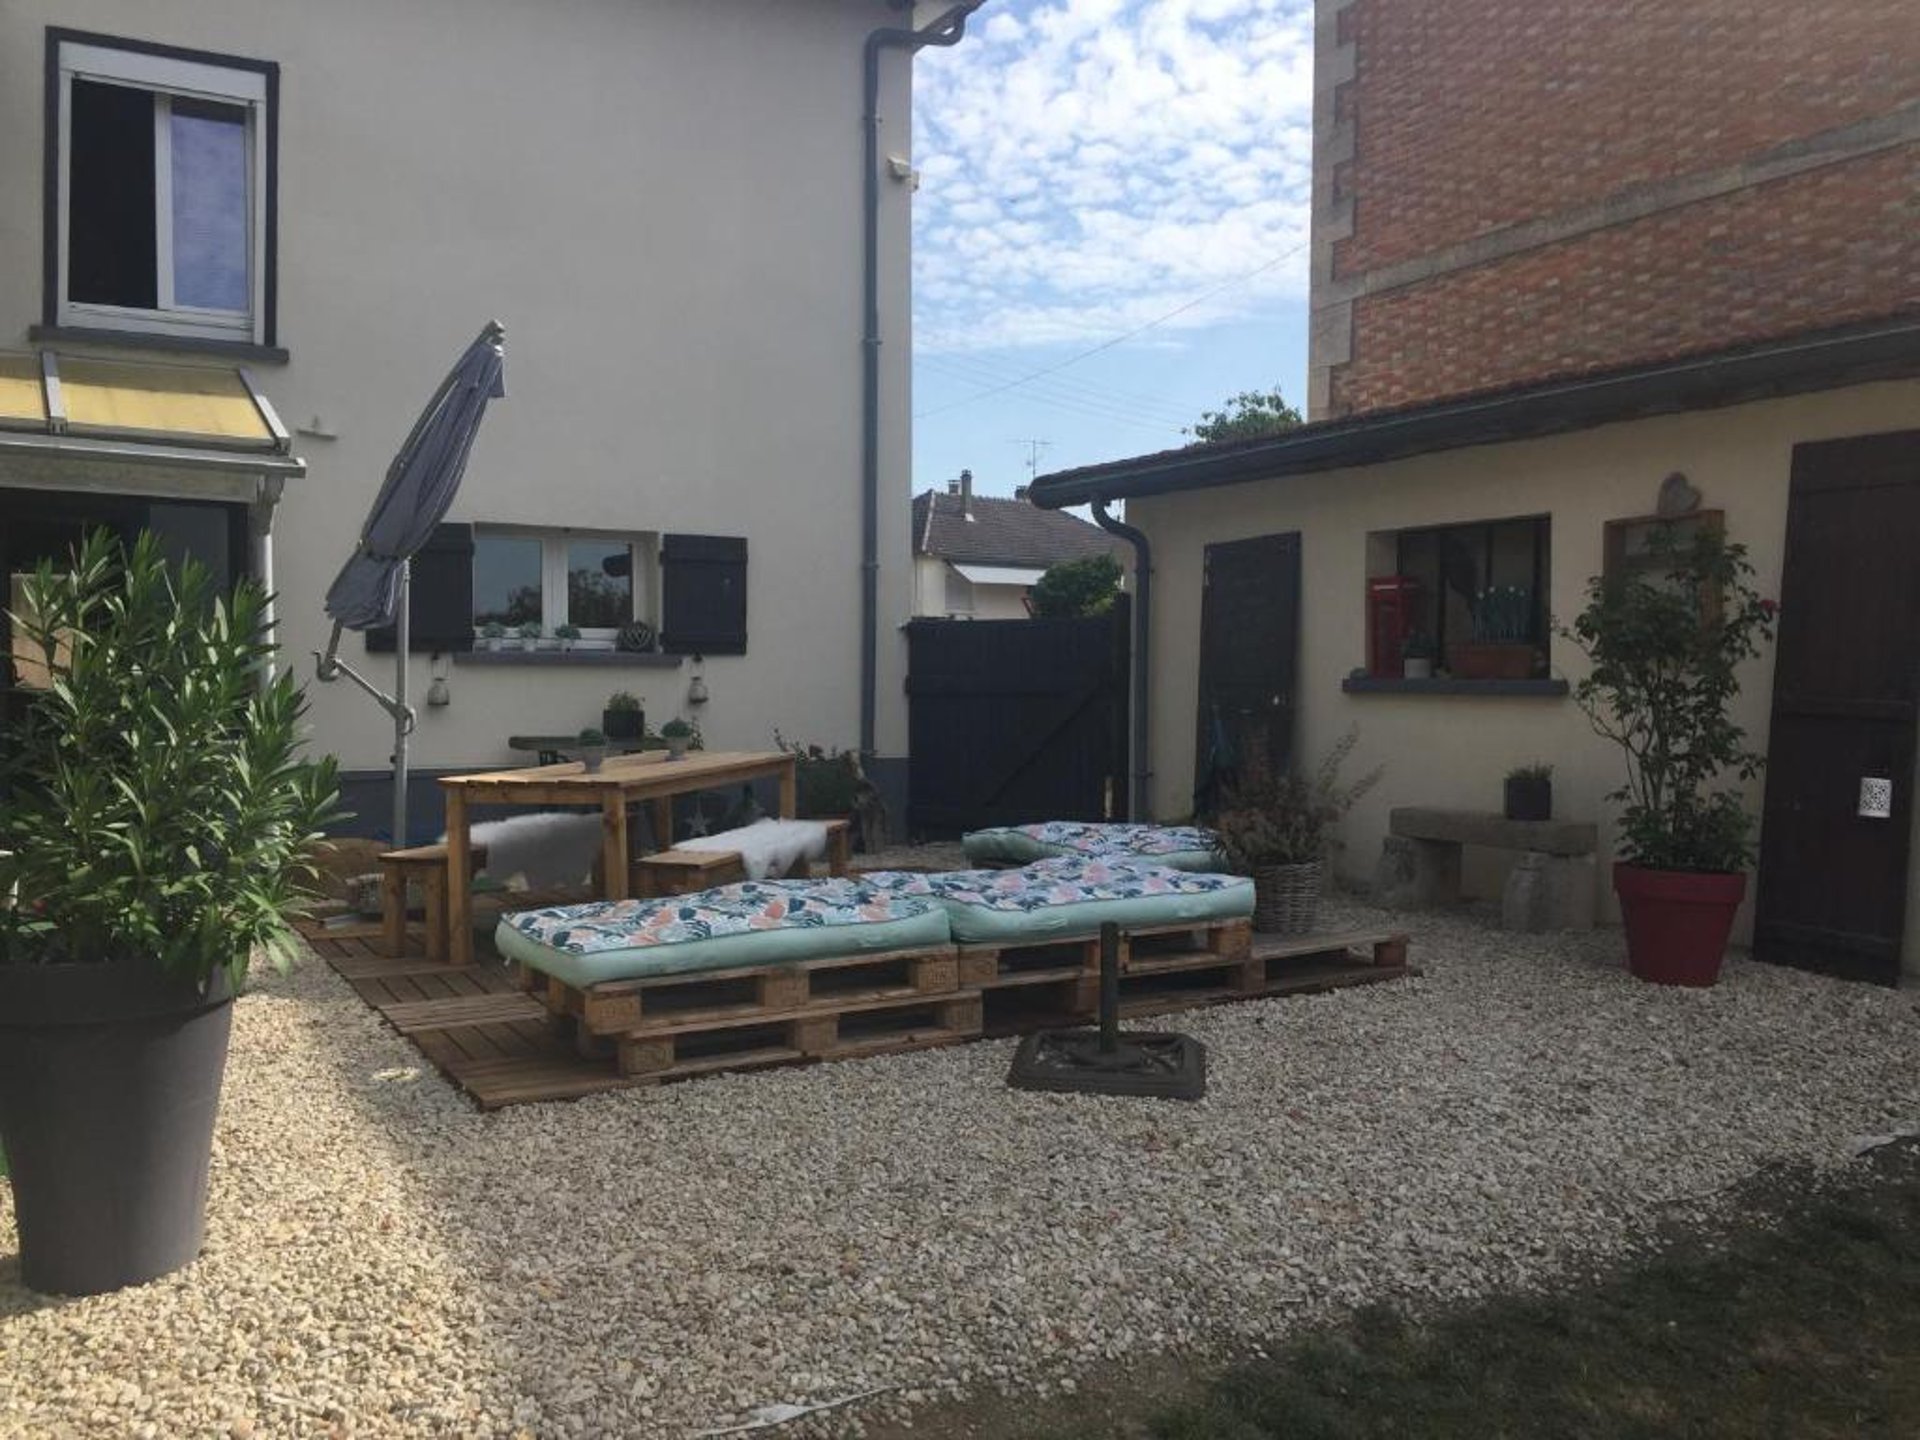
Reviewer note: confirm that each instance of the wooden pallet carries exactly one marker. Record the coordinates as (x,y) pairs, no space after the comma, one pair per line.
(1273,965)
(882,1027)
(994,967)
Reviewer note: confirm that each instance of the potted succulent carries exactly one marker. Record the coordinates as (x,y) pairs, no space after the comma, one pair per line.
(1501,647)
(593,750)
(623,719)
(156,824)
(1278,830)
(494,634)
(1417,655)
(678,734)
(1528,792)
(1665,647)
(566,635)
(529,633)
(636,637)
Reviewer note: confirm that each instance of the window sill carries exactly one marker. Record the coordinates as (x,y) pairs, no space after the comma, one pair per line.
(141,340)
(1445,685)
(603,659)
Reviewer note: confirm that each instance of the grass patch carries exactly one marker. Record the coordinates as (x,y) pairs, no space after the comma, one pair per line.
(1802,1321)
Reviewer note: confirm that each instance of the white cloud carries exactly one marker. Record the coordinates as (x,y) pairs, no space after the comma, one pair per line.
(1090,165)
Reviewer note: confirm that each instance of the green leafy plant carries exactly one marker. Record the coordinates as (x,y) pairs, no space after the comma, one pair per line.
(622,701)
(528,630)
(1503,615)
(493,630)
(1531,773)
(676,729)
(591,736)
(1286,819)
(826,781)
(1665,647)
(1073,588)
(1249,415)
(565,632)
(156,805)
(1418,646)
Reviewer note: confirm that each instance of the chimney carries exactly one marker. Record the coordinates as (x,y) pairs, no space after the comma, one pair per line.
(966,493)
(1019,492)
(953,487)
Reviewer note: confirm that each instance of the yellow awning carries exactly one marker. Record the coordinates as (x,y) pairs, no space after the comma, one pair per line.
(192,406)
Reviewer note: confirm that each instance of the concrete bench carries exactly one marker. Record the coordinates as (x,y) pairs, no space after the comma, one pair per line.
(1552,887)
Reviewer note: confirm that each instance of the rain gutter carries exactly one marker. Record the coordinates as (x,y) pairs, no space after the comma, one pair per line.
(1142,626)
(949,29)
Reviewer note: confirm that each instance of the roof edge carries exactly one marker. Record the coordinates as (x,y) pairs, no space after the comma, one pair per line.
(1822,360)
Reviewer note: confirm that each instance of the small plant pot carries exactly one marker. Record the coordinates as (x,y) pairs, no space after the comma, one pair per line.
(1529,799)
(1286,898)
(1421,669)
(623,724)
(492,642)
(527,644)
(677,746)
(592,757)
(1677,921)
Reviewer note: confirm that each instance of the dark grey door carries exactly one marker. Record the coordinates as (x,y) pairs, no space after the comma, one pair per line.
(1249,647)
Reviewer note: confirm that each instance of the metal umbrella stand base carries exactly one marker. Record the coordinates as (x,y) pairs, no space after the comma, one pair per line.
(1106,1062)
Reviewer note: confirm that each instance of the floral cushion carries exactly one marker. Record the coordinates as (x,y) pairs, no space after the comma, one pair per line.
(1187,847)
(755,922)
(1074,894)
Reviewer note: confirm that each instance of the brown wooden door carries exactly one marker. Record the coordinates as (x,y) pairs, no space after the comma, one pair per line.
(1249,638)
(1832,889)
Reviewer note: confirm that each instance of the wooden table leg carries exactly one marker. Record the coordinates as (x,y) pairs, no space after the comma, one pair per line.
(789,790)
(459,881)
(613,845)
(662,812)
(393,909)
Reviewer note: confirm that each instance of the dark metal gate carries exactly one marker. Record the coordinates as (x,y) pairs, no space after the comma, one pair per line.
(1013,721)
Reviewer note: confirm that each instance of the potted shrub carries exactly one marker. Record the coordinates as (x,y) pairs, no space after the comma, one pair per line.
(1417,656)
(494,634)
(1501,647)
(1278,829)
(593,750)
(678,734)
(623,719)
(1666,646)
(1528,793)
(529,633)
(566,635)
(155,825)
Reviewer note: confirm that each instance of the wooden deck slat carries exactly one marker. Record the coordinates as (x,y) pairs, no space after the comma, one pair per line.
(449,1012)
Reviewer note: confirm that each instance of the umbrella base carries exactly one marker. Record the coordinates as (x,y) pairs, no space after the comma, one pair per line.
(1157,1065)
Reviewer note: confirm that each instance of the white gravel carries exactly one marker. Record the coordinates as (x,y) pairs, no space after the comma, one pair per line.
(383,1260)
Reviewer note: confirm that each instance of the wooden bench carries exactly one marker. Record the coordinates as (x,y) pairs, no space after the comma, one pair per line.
(681,872)
(425,865)
(1551,888)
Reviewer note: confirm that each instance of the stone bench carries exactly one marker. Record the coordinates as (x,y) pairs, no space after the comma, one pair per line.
(1551,888)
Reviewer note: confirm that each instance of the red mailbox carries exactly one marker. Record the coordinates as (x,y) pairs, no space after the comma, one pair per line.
(1390,611)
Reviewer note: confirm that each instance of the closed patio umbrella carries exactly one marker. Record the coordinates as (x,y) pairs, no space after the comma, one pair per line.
(371,588)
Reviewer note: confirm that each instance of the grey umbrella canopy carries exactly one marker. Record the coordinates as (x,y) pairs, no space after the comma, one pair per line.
(371,588)
(420,485)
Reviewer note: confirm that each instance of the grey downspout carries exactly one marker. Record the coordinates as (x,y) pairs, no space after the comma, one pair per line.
(949,29)
(1142,627)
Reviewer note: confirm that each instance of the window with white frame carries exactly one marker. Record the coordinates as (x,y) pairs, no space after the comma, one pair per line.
(593,581)
(162,163)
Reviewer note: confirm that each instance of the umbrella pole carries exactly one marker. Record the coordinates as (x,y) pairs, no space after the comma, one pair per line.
(402,717)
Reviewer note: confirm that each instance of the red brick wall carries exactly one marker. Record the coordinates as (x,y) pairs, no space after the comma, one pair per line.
(1816,250)
(1472,115)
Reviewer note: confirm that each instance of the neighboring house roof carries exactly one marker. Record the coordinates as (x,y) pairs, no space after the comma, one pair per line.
(1007,533)
(1883,350)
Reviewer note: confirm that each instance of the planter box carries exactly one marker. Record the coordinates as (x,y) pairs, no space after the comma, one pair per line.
(1491,662)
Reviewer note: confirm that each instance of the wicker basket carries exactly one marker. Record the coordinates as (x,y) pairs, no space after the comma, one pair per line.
(1286,898)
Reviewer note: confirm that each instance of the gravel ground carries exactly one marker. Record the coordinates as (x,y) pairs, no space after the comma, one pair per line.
(383,1260)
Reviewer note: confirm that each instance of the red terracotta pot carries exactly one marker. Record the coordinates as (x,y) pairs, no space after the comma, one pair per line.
(1678,921)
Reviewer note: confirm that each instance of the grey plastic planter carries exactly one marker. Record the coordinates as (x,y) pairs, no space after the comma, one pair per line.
(109,1083)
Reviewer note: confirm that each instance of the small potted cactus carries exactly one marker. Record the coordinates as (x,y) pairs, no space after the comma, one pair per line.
(529,634)
(678,734)
(593,750)
(623,719)
(566,635)
(493,634)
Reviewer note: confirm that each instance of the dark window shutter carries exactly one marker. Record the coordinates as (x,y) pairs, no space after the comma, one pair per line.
(703,584)
(441,596)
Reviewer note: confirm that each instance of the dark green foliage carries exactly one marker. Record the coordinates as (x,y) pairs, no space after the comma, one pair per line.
(1072,588)
(676,729)
(1539,770)
(592,736)
(1248,416)
(827,783)
(156,805)
(1666,649)
(1269,819)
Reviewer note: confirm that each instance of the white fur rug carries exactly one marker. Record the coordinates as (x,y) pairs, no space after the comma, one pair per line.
(768,847)
(543,850)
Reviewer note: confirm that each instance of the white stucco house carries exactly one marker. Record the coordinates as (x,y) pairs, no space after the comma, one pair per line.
(241,244)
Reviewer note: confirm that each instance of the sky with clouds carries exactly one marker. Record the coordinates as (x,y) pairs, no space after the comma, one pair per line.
(1123,177)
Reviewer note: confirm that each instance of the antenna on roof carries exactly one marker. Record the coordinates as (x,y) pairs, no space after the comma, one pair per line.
(1034,447)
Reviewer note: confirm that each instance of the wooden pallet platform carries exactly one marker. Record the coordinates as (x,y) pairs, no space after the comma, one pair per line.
(993,967)
(883,1027)
(658,1004)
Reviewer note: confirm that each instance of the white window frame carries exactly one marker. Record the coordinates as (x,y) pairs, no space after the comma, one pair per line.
(166,78)
(643,552)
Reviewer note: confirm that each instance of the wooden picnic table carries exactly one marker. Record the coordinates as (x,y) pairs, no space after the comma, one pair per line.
(648,777)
